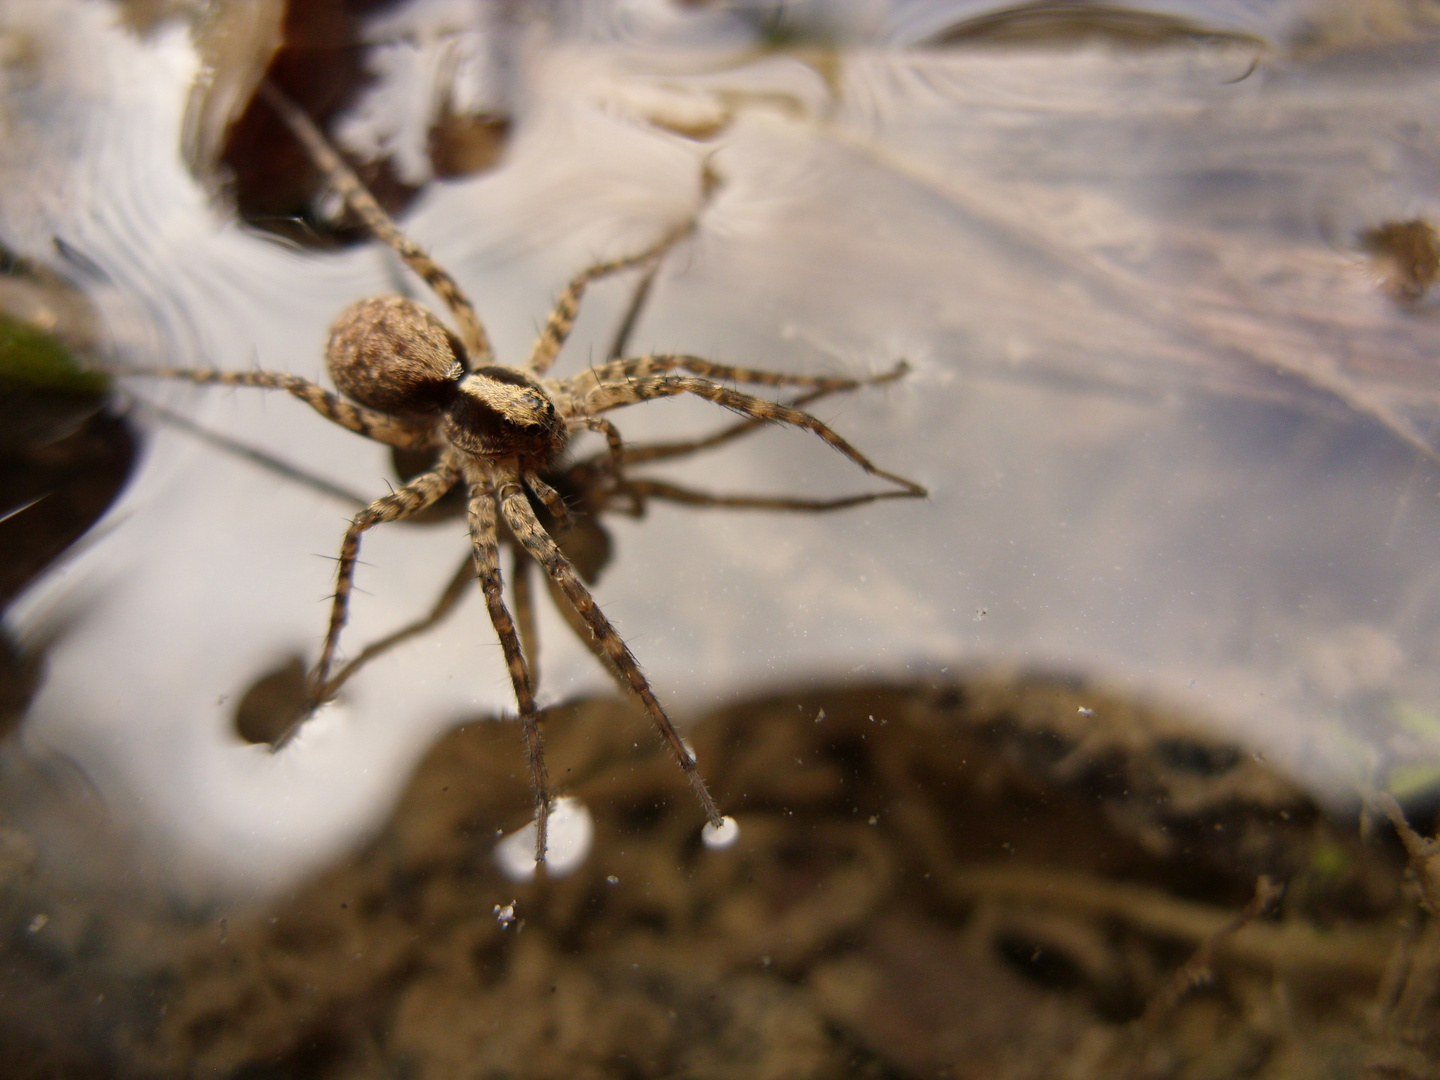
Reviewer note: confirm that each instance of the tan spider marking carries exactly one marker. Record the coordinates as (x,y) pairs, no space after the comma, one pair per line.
(495,429)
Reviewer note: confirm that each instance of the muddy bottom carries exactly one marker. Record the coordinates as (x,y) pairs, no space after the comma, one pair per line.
(977,879)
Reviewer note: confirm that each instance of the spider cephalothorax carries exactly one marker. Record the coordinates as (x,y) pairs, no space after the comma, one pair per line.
(492,429)
(500,412)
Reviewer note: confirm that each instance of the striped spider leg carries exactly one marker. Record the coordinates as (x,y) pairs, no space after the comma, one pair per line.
(496,431)
(592,487)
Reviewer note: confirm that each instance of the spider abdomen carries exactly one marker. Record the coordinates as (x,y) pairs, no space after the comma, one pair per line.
(390,353)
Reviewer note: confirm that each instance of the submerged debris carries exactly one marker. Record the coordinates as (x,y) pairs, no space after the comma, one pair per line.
(989,883)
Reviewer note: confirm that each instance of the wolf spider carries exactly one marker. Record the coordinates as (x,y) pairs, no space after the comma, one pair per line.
(498,430)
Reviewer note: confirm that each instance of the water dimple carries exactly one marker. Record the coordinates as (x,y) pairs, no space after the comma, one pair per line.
(571,834)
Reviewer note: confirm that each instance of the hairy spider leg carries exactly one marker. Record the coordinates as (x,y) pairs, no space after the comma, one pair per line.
(619,455)
(548,496)
(401,503)
(609,396)
(638,453)
(619,344)
(562,316)
(446,603)
(642,488)
(567,307)
(522,595)
(485,539)
(343,179)
(372,423)
(618,371)
(527,529)
(616,447)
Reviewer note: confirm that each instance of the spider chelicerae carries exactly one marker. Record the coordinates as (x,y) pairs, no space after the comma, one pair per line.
(498,431)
